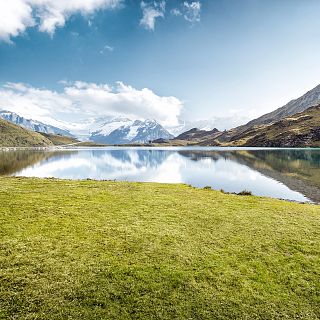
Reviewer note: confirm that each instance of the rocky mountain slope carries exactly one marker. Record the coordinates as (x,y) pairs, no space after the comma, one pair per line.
(196,134)
(33,125)
(299,130)
(12,135)
(204,125)
(126,131)
(309,99)
(295,124)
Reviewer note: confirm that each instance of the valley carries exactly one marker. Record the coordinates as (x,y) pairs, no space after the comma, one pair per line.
(159,160)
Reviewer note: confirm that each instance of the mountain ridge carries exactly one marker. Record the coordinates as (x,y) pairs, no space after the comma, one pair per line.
(299,130)
(130,131)
(255,132)
(31,124)
(12,135)
(309,99)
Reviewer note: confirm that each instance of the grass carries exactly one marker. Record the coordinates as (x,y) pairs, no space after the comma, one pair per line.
(58,140)
(117,250)
(12,135)
(91,144)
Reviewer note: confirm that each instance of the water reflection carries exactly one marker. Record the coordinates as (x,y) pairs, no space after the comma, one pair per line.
(15,160)
(298,169)
(291,174)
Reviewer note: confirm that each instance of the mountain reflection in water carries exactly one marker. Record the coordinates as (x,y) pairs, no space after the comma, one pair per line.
(288,173)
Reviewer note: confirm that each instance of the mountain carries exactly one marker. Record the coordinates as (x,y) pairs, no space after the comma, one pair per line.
(58,140)
(295,124)
(12,135)
(221,123)
(299,130)
(193,136)
(108,125)
(33,125)
(309,99)
(196,134)
(184,126)
(123,131)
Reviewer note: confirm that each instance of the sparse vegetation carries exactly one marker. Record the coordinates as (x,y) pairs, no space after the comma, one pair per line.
(244,193)
(12,135)
(90,144)
(119,250)
(58,140)
(299,130)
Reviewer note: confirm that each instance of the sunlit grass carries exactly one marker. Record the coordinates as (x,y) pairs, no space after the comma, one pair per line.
(117,250)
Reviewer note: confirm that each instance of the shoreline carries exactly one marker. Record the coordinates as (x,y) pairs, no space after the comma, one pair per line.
(244,193)
(192,147)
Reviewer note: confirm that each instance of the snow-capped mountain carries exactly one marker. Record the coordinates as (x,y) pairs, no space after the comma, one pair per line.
(123,131)
(32,124)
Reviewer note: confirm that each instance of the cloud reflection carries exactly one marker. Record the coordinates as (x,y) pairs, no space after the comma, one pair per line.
(220,170)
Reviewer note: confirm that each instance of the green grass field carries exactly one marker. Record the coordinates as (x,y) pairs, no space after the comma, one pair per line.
(117,250)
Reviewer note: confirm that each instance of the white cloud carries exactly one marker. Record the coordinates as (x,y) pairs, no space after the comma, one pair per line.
(81,100)
(150,12)
(15,17)
(192,11)
(18,15)
(176,12)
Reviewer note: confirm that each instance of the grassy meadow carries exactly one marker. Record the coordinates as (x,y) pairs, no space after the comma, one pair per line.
(118,250)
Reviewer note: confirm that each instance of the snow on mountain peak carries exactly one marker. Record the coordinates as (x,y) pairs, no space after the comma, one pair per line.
(32,124)
(121,131)
(107,127)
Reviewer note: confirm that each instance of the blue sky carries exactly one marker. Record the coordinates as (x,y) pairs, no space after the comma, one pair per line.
(233,59)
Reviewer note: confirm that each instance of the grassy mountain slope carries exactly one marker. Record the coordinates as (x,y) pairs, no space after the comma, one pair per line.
(191,137)
(310,99)
(59,140)
(300,130)
(196,134)
(12,135)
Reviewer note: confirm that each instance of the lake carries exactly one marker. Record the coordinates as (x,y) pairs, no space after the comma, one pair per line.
(280,173)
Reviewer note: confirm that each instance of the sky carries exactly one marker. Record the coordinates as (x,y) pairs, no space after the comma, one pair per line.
(171,60)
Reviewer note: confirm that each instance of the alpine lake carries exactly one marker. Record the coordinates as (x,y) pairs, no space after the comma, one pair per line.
(292,174)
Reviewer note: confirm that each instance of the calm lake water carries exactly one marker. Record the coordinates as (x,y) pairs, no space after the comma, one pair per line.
(280,173)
